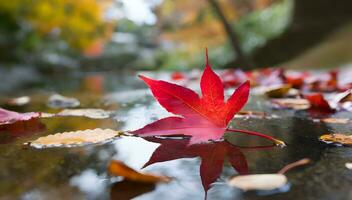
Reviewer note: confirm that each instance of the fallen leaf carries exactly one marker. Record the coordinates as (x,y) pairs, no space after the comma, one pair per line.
(118,168)
(266,182)
(292,103)
(259,181)
(255,114)
(90,113)
(75,138)
(176,76)
(335,120)
(343,97)
(278,91)
(348,165)
(232,78)
(337,138)
(296,79)
(19,101)
(213,156)
(318,102)
(59,101)
(203,118)
(347,96)
(9,117)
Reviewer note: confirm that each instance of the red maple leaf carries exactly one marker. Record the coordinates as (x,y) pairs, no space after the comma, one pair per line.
(318,102)
(204,118)
(212,156)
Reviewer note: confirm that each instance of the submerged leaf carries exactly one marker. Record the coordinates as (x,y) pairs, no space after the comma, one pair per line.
(118,168)
(75,138)
(89,112)
(258,181)
(337,138)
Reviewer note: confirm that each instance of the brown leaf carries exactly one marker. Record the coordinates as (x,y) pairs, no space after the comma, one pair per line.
(118,168)
(297,104)
(75,138)
(337,138)
(258,181)
(278,91)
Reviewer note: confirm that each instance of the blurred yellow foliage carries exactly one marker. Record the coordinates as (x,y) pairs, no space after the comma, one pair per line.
(78,22)
(193,25)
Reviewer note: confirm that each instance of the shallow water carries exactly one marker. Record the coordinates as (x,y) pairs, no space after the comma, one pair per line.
(81,172)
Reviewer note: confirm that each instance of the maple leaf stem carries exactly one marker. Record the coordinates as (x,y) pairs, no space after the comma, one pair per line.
(276,141)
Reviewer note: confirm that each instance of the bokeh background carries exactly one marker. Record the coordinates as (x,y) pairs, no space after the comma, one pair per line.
(86,35)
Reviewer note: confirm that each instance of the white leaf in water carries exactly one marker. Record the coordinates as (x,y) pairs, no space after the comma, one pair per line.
(258,181)
(348,165)
(19,101)
(59,101)
(90,113)
(75,138)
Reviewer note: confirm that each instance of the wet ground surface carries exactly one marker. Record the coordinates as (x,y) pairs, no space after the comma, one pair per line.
(81,172)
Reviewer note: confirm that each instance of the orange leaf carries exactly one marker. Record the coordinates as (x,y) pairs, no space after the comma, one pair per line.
(118,168)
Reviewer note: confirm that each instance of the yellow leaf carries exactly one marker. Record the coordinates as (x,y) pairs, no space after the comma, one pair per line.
(337,138)
(75,138)
(118,168)
(278,91)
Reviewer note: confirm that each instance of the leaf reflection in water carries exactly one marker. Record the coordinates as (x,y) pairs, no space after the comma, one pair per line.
(126,190)
(212,156)
(8,132)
